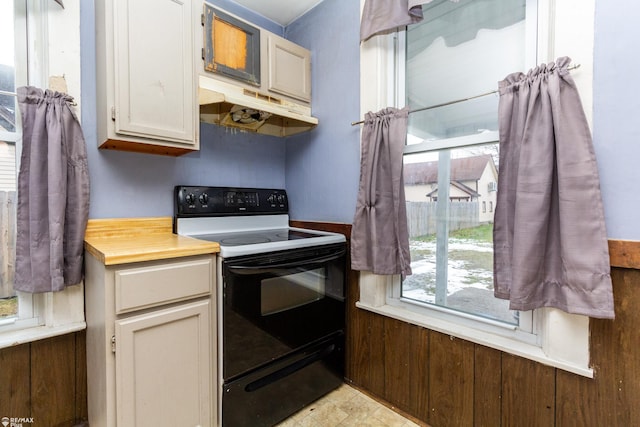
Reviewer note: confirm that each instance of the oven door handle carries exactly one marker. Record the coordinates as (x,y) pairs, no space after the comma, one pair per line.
(297,263)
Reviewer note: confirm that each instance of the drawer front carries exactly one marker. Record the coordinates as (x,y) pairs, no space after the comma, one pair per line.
(161,283)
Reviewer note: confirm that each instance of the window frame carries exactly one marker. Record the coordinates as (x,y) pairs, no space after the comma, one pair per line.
(525,331)
(548,336)
(52,48)
(29,308)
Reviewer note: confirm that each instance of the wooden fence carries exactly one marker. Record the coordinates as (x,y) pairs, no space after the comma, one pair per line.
(7,242)
(422,217)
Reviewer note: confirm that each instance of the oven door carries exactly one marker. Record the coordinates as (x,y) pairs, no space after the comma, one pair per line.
(276,303)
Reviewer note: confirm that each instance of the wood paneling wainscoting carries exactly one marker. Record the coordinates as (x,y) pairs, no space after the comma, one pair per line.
(45,380)
(444,381)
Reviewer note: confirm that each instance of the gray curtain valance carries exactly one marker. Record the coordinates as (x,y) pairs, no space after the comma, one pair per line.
(53,193)
(379,235)
(384,16)
(550,242)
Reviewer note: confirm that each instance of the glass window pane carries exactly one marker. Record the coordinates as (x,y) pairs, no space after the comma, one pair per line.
(7,57)
(451,231)
(461,50)
(7,67)
(8,299)
(7,112)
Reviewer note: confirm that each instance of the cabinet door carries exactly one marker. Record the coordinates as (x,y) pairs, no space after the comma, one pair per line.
(163,372)
(154,69)
(289,68)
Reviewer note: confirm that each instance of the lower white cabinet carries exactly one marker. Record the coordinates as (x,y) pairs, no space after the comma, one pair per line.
(162,369)
(150,343)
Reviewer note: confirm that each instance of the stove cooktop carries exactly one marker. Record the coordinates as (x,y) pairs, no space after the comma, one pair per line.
(256,237)
(243,221)
(242,243)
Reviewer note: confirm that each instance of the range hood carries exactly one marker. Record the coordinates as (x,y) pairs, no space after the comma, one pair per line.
(230,105)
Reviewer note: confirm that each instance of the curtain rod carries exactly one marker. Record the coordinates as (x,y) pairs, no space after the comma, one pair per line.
(444,104)
(4,92)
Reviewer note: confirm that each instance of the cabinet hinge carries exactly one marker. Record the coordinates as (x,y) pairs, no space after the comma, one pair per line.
(202,19)
(113,113)
(202,52)
(113,343)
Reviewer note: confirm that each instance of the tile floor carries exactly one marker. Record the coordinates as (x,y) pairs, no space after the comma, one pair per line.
(346,406)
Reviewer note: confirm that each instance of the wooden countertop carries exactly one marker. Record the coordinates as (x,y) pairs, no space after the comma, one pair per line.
(126,240)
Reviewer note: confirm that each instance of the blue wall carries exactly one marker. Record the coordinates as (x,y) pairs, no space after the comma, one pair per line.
(616,105)
(322,167)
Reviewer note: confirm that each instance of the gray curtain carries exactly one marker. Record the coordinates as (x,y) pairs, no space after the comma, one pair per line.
(53,193)
(385,16)
(550,242)
(379,235)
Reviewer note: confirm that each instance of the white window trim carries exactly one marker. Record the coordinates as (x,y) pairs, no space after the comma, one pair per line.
(561,339)
(565,337)
(52,313)
(58,313)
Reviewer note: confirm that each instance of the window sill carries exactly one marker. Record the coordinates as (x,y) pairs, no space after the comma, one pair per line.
(528,351)
(23,336)
(58,313)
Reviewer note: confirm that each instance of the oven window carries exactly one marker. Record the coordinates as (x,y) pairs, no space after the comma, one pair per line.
(292,290)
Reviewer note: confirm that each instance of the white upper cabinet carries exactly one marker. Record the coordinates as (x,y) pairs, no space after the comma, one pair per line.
(147,89)
(289,68)
(154,68)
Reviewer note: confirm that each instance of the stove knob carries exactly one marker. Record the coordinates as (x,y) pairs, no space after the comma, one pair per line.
(204,198)
(280,198)
(190,199)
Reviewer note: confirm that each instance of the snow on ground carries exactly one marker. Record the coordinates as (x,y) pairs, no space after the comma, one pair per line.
(470,278)
(420,285)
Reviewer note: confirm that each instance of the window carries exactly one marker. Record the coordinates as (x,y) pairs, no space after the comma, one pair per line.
(458,131)
(13,73)
(39,39)
(452,243)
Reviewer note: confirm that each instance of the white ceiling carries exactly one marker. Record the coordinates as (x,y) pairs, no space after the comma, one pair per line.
(281,11)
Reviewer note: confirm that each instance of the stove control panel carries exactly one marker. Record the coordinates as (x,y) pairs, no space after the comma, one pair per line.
(219,201)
